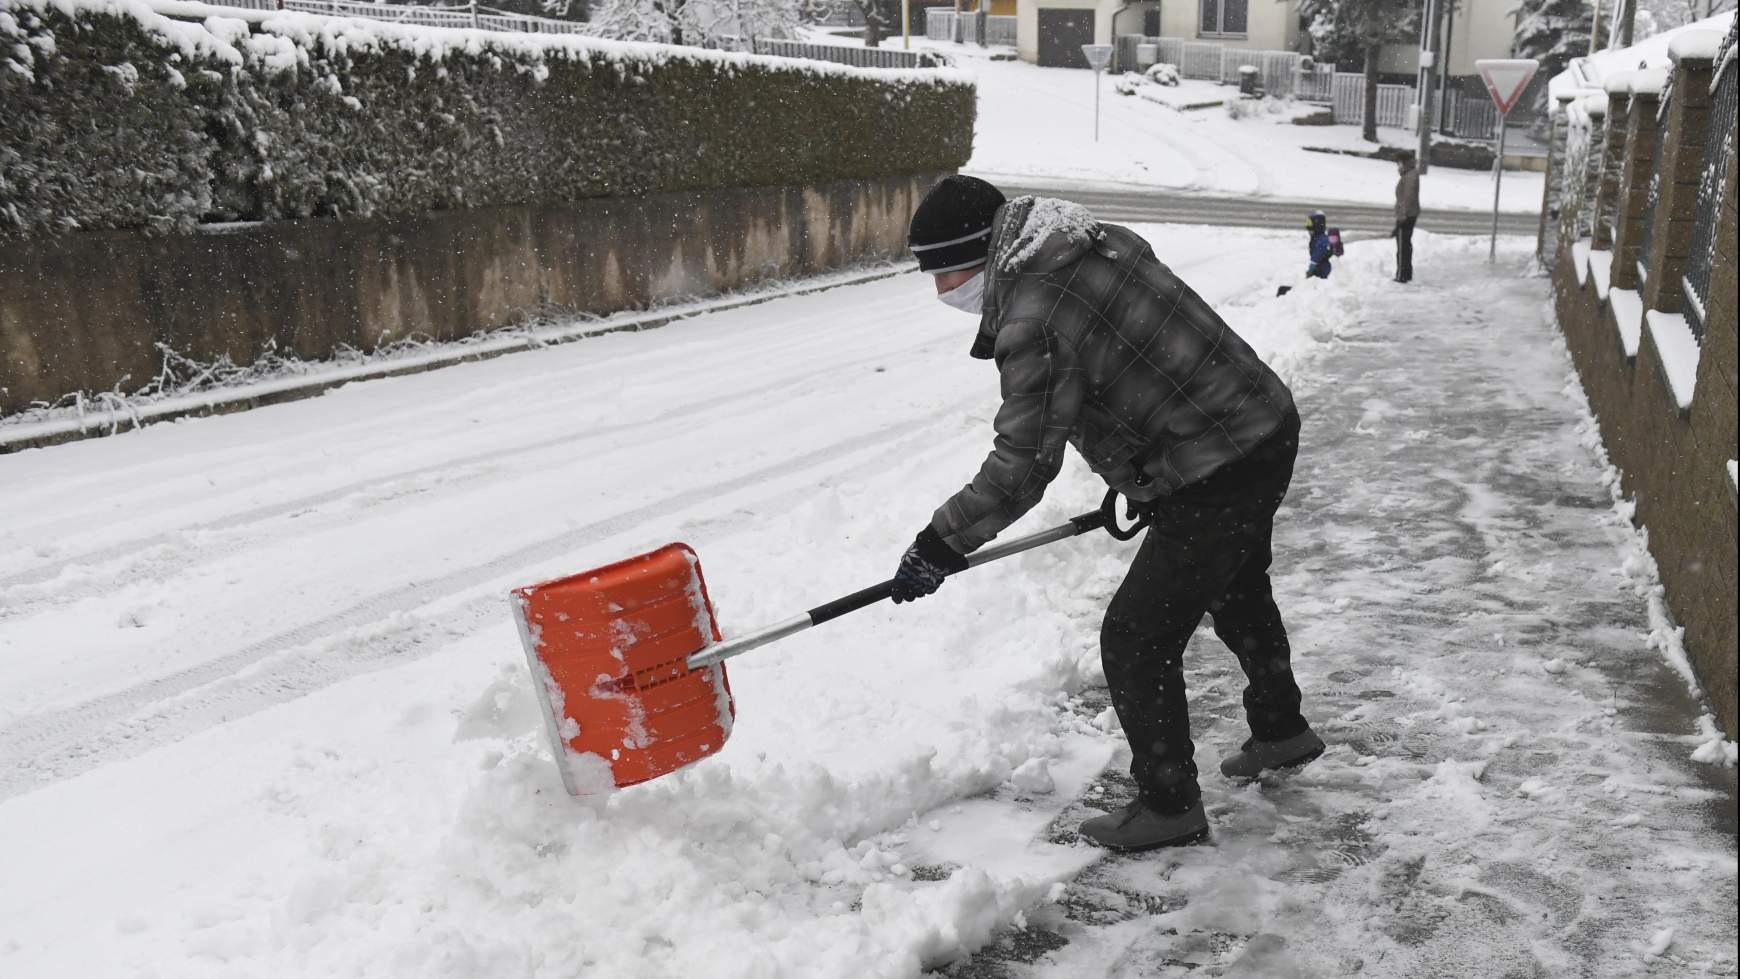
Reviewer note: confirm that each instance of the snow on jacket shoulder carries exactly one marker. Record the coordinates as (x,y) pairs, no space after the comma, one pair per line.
(1408,195)
(1098,345)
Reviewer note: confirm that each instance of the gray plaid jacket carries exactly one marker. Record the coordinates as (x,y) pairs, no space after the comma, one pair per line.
(1101,347)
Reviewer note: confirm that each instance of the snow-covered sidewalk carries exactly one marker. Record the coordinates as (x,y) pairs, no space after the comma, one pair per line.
(263,712)
(1508,790)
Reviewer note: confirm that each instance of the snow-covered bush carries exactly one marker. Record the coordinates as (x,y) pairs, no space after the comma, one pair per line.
(1164,74)
(1249,107)
(103,126)
(1129,83)
(116,117)
(702,22)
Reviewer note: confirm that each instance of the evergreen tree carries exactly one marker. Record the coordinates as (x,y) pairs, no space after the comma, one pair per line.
(1553,32)
(1348,32)
(1655,16)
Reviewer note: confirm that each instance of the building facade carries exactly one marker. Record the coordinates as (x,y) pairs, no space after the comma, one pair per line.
(1048,30)
(1051,32)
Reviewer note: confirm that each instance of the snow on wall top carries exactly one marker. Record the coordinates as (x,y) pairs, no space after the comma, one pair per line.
(1648,81)
(1589,74)
(193,40)
(223,29)
(1618,83)
(1695,44)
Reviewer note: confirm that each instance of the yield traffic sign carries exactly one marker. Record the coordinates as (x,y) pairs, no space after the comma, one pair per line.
(1506,78)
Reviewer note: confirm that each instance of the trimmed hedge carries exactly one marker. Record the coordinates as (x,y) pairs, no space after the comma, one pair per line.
(112,116)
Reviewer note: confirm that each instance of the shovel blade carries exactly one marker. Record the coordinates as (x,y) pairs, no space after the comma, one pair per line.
(607,650)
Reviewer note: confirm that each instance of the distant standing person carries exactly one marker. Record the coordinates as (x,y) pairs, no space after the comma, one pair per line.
(1407,212)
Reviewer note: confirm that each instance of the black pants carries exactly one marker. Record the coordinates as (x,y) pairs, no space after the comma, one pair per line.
(1405,249)
(1207,552)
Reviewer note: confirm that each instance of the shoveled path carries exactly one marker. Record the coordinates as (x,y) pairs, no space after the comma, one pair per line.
(1508,792)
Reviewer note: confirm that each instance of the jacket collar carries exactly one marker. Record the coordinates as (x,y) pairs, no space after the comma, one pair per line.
(1028,235)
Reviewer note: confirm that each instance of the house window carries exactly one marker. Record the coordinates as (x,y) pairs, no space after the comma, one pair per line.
(1225,17)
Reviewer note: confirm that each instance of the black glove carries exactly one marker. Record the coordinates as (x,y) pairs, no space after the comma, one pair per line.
(924,566)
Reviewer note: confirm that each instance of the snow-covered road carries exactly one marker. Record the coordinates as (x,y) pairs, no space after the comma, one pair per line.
(1037,123)
(263,712)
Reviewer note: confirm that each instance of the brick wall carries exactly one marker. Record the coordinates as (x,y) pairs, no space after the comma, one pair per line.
(1673,462)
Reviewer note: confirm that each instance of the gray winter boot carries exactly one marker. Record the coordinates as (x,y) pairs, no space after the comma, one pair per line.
(1256,757)
(1139,828)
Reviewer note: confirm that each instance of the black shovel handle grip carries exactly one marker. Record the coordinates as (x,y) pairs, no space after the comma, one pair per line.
(862,598)
(721,651)
(866,597)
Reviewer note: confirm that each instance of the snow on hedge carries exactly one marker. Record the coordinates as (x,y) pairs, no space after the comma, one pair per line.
(119,116)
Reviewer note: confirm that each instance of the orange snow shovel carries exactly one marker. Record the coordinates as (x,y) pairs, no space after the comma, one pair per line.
(629,664)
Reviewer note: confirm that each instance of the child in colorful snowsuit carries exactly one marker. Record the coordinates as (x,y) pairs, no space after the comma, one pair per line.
(1320,246)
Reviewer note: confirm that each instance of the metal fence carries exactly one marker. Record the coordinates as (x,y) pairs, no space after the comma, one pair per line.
(1580,179)
(857,57)
(939,25)
(1469,117)
(1200,60)
(1314,84)
(472,15)
(1171,50)
(1208,61)
(1650,206)
(1347,95)
(1125,59)
(1718,148)
(1277,68)
(1348,98)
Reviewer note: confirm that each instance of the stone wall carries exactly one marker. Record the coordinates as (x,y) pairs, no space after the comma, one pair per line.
(84,312)
(1673,461)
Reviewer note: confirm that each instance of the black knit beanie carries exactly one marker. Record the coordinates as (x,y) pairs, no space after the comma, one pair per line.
(951,229)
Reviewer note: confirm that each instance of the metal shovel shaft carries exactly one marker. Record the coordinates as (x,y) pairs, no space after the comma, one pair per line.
(721,651)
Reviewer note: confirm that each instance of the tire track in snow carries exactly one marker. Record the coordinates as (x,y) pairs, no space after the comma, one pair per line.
(710,350)
(148,552)
(41,749)
(60,743)
(131,552)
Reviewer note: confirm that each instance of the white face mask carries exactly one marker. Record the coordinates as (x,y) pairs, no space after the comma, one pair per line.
(969,296)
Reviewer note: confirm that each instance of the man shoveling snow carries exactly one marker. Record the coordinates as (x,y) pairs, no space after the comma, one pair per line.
(1102,347)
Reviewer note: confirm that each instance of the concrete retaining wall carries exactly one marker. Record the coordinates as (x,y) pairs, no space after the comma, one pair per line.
(84,312)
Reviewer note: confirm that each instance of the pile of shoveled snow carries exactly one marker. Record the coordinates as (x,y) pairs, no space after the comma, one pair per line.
(878,810)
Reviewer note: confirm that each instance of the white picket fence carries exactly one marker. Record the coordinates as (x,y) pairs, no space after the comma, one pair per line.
(1469,117)
(939,25)
(1314,84)
(1199,60)
(1207,61)
(472,15)
(859,57)
(1348,99)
